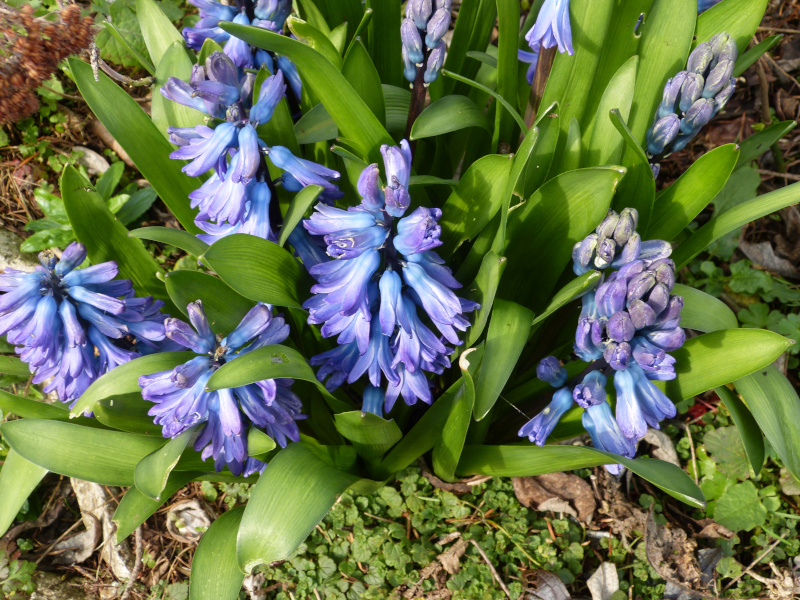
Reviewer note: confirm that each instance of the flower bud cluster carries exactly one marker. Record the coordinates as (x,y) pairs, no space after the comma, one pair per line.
(694,96)
(383,288)
(421,33)
(627,327)
(73,325)
(182,400)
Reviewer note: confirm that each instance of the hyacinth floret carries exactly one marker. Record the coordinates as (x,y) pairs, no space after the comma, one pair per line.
(182,400)
(694,96)
(73,325)
(552,28)
(421,34)
(236,198)
(383,287)
(626,329)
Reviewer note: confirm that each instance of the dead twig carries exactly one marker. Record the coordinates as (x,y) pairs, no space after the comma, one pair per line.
(754,563)
(137,567)
(492,569)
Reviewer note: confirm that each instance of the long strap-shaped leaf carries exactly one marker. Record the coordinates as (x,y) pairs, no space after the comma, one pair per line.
(140,138)
(18,479)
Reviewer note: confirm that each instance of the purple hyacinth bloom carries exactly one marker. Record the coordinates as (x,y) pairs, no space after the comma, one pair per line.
(238,50)
(704,5)
(205,154)
(552,27)
(182,400)
(591,391)
(211,13)
(381,276)
(606,434)
(639,403)
(550,371)
(374,398)
(539,428)
(300,173)
(532,59)
(273,11)
(73,325)
(255,220)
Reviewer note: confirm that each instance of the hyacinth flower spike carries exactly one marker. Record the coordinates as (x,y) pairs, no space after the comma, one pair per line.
(182,400)
(421,34)
(73,325)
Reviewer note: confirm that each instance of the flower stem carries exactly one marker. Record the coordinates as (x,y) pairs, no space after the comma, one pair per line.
(417,103)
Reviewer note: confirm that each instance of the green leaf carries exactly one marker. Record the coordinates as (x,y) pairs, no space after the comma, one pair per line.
(127,412)
(423,435)
(680,203)
(215,573)
(269,362)
(77,451)
(749,58)
(714,359)
(208,48)
(476,199)
(108,181)
(447,449)
(735,217)
(136,205)
(49,238)
(726,446)
(312,14)
(524,152)
(174,237)
(106,238)
(120,46)
(258,269)
(384,40)
(571,158)
(279,130)
(301,203)
(351,114)
(523,461)
(604,144)
(508,333)
(135,508)
(482,291)
(315,126)
(259,442)
(751,436)
(450,113)
(18,478)
(153,471)
(315,39)
(224,308)
(140,138)
(739,18)
(574,289)
(165,113)
(292,495)
(666,38)
(362,75)
(754,146)
(740,508)
(371,435)
(158,31)
(397,101)
(775,406)
(11,365)
(512,112)
(638,189)
(32,409)
(124,379)
(545,228)
(703,312)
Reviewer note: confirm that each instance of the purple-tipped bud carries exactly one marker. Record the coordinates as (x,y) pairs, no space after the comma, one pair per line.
(592,391)
(697,116)
(664,270)
(723,46)
(700,59)
(397,200)
(419,231)
(606,249)
(439,4)
(630,252)
(419,11)
(618,355)
(656,363)
(369,189)
(658,298)
(654,249)
(667,339)
(626,226)
(550,371)
(437,27)
(582,254)
(639,285)
(718,78)
(409,68)
(585,335)
(641,314)
(721,99)
(691,91)
(220,68)
(435,62)
(412,41)
(606,435)
(672,90)
(662,133)
(620,328)
(610,296)
(269,96)
(673,311)
(608,225)
(72,257)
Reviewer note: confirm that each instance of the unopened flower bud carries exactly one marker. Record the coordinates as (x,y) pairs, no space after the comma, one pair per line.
(700,58)
(663,132)
(550,371)
(437,27)
(641,314)
(654,249)
(605,253)
(672,90)
(630,251)
(628,219)
(718,78)
(697,116)
(435,62)
(582,253)
(419,11)
(618,356)
(640,285)
(610,296)
(620,327)
(691,91)
(592,391)
(664,270)
(412,42)
(658,298)
(721,99)
(608,225)
(723,46)
(667,339)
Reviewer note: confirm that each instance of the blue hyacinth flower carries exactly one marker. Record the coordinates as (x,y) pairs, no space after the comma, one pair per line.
(73,325)
(539,428)
(606,434)
(384,287)
(182,400)
(552,27)
(640,404)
